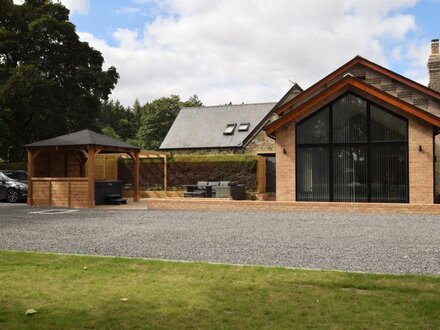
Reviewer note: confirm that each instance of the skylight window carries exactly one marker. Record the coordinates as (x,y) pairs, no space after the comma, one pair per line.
(243,127)
(230,128)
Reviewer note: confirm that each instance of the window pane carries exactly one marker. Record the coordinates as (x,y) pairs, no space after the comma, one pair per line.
(389,174)
(387,127)
(313,174)
(314,129)
(243,127)
(350,120)
(350,174)
(229,130)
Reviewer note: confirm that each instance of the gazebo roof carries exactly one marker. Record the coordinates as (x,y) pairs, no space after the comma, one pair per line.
(82,138)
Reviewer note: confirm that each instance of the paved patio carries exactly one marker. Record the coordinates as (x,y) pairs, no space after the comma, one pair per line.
(344,241)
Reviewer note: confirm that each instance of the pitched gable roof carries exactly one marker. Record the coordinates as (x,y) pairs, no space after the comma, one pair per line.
(349,83)
(81,138)
(293,92)
(203,127)
(358,60)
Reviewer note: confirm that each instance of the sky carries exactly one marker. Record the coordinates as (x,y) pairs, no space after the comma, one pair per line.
(250,50)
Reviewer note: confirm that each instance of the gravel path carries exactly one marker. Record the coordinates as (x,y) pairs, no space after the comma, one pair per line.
(356,242)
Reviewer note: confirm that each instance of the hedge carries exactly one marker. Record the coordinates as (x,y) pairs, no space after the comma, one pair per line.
(184,170)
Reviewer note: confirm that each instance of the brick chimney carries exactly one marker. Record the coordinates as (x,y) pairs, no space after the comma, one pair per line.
(434,66)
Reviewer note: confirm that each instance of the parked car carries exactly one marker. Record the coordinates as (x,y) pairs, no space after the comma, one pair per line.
(13,185)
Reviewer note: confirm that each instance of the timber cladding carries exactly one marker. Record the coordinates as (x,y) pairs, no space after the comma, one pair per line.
(106,167)
(60,192)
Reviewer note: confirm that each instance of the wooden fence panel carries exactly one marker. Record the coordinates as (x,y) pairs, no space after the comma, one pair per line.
(60,192)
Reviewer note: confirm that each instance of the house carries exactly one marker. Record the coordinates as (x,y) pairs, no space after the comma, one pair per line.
(224,129)
(229,129)
(361,134)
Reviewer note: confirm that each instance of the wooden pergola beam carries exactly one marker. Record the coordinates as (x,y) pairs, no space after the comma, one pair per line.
(155,154)
(135,157)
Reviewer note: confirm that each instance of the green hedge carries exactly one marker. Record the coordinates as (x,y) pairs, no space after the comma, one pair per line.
(184,170)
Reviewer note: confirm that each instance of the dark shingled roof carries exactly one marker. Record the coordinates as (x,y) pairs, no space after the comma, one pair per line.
(203,127)
(81,138)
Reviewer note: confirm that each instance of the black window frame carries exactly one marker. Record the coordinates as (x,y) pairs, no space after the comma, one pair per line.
(368,144)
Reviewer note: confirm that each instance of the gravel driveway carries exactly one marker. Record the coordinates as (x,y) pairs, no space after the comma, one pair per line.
(356,242)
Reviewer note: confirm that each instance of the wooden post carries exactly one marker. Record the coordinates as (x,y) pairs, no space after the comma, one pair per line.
(136,177)
(165,174)
(30,176)
(261,174)
(91,175)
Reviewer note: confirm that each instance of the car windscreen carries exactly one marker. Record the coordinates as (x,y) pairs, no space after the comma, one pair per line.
(19,176)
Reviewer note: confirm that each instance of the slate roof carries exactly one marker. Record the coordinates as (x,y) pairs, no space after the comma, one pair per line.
(80,138)
(203,127)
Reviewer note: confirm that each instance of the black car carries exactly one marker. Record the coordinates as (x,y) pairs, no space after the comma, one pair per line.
(13,185)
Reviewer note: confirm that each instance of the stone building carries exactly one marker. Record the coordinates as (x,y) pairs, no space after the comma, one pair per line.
(229,129)
(361,134)
(226,129)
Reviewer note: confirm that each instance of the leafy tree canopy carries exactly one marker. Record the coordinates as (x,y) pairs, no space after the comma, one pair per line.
(51,83)
(113,117)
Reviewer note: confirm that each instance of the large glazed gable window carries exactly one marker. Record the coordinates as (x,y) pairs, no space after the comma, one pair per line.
(350,120)
(315,129)
(386,126)
(352,151)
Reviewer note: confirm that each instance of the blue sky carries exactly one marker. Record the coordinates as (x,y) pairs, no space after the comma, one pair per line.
(249,50)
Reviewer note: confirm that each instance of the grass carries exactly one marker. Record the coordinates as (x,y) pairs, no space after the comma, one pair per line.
(174,295)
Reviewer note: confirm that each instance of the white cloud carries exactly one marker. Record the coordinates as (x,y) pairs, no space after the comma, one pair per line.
(248,50)
(417,53)
(80,7)
(128,11)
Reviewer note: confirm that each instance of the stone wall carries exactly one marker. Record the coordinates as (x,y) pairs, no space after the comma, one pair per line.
(434,66)
(387,85)
(397,89)
(208,151)
(259,144)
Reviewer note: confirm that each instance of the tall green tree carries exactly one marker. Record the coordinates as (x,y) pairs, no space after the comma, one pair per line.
(158,117)
(51,83)
(117,121)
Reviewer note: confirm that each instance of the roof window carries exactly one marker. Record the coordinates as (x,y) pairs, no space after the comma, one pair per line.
(229,130)
(243,127)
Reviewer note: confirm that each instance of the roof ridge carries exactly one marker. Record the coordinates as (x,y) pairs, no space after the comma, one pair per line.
(228,105)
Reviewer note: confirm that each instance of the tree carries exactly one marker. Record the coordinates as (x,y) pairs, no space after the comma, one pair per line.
(193,101)
(51,83)
(113,117)
(158,117)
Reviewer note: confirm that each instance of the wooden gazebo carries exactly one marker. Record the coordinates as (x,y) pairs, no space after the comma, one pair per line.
(62,169)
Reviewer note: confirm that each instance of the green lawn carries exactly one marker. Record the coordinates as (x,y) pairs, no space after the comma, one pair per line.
(196,295)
